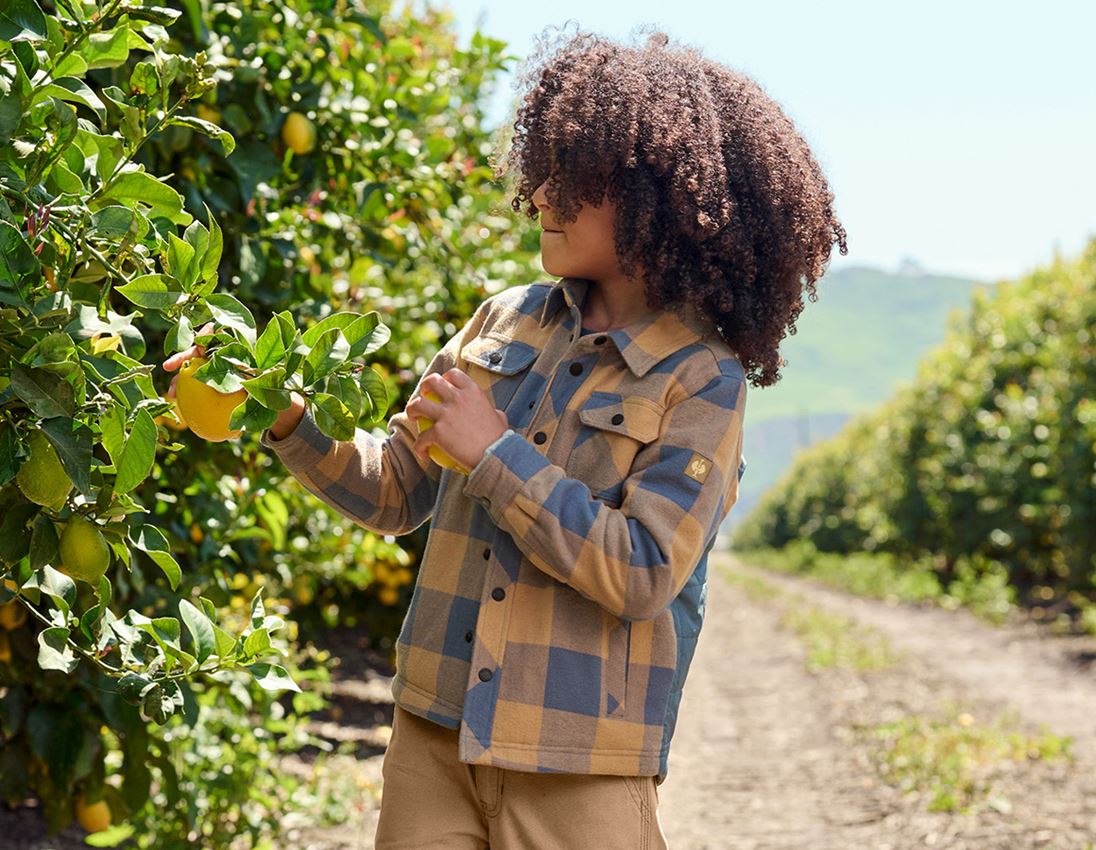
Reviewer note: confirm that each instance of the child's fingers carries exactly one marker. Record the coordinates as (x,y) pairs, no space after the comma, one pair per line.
(176,360)
(435,383)
(419,406)
(171,389)
(421,446)
(460,379)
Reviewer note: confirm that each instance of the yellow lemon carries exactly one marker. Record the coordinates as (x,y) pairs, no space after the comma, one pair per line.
(436,452)
(42,478)
(205,410)
(94,817)
(85,554)
(388,595)
(5,649)
(299,133)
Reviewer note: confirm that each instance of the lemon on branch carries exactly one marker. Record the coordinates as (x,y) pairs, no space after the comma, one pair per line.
(42,478)
(439,455)
(205,410)
(94,817)
(12,616)
(299,133)
(85,554)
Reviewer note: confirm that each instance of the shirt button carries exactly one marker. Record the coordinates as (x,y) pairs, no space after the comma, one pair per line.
(532,404)
(600,340)
(496,357)
(540,438)
(576,368)
(467,637)
(485,675)
(618,418)
(498,594)
(486,554)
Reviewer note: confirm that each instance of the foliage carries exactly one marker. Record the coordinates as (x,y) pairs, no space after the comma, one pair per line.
(984,467)
(105,264)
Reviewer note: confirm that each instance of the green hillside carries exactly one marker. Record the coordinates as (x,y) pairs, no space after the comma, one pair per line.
(865,333)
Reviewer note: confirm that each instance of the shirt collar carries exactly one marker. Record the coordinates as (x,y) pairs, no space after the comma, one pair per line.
(642,344)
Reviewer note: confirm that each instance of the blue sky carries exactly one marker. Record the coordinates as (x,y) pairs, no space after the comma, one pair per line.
(960,134)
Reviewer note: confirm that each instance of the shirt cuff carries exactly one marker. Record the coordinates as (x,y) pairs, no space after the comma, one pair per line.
(304,447)
(502,471)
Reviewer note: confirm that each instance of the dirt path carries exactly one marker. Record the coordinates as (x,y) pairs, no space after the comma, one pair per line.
(765,754)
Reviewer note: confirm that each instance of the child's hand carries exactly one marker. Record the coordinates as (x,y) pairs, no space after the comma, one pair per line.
(466,421)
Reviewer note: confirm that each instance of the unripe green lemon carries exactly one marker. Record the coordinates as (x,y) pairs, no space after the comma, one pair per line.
(85,554)
(439,455)
(205,410)
(42,478)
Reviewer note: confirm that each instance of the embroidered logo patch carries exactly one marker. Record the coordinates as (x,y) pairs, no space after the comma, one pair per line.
(698,467)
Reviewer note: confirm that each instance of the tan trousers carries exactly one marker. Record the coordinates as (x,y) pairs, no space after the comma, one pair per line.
(432,800)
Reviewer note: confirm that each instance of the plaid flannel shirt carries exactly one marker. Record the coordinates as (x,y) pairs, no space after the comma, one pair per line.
(562,589)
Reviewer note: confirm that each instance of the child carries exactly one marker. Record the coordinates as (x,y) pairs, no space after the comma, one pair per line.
(557,607)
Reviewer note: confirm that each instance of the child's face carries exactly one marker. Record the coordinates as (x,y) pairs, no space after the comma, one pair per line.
(582,248)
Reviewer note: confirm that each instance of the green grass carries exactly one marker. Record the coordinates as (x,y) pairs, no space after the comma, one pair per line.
(831,640)
(835,641)
(881,575)
(955,760)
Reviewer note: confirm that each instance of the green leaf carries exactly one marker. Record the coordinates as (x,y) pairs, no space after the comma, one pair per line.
(272,677)
(112,836)
(54,652)
(112,428)
(333,417)
(373,386)
(220,373)
(180,260)
(228,311)
(113,223)
(16,257)
(138,455)
(73,441)
(9,447)
(200,628)
(142,187)
(269,389)
(252,415)
(150,540)
(58,586)
(107,49)
(180,337)
(208,128)
(212,258)
(74,91)
(22,20)
(43,542)
(329,351)
(14,540)
(45,392)
(154,291)
(156,14)
(257,643)
(271,345)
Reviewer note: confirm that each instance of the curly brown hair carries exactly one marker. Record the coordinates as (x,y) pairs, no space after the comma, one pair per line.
(724,204)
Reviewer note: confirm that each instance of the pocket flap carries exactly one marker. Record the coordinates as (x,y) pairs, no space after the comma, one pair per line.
(634,416)
(499,355)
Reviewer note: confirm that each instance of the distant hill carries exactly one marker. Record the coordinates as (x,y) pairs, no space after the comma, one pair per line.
(863,336)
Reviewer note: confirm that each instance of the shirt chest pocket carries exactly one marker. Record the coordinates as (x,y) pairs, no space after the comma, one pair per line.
(498,365)
(613,429)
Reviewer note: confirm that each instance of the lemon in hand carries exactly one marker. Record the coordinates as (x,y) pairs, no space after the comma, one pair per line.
(205,410)
(42,478)
(85,554)
(436,452)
